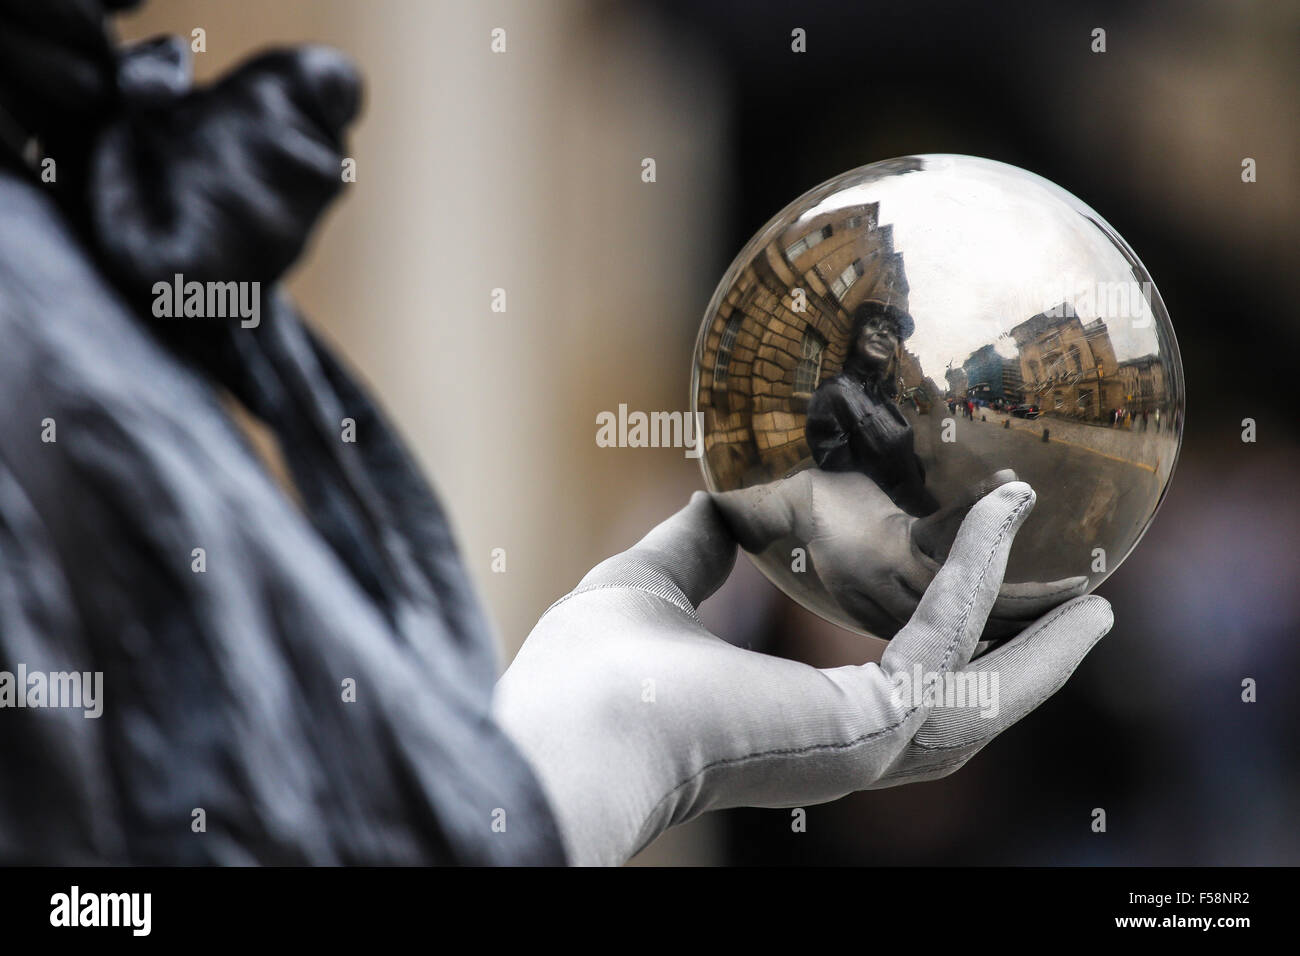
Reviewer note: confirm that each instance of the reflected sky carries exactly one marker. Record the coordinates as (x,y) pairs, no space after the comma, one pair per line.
(987,245)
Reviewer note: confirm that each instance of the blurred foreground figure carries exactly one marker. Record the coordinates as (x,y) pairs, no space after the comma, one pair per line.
(225,670)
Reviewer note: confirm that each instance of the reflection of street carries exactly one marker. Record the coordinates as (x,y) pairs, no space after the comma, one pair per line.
(1102,495)
(1147,450)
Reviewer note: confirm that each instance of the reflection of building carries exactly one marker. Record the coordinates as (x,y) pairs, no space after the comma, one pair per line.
(1013,381)
(992,377)
(957,382)
(922,392)
(1068,368)
(784,327)
(1143,383)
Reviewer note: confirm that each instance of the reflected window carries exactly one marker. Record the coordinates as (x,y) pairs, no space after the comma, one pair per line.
(844,281)
(800,246)
(722,367)
(808,373)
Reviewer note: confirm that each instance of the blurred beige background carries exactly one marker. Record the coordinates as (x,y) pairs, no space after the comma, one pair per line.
(522,171)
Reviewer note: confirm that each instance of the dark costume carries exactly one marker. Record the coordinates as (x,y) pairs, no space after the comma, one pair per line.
(853,426)
(223,690)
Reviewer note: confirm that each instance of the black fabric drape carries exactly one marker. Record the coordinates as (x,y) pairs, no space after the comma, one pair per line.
(222,688)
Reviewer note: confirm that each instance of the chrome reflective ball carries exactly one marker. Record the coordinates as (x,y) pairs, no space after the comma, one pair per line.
(905,337)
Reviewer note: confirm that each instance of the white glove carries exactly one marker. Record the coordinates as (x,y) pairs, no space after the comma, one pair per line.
(872,558)
(636,718)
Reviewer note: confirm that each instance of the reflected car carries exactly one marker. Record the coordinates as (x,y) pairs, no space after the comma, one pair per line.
(1025,411)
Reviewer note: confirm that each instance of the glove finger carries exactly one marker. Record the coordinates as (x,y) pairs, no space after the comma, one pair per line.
(690,553)
(919,765)
(943,631)
(1019,605)
(1030,600)
(1009,682)
(800,736)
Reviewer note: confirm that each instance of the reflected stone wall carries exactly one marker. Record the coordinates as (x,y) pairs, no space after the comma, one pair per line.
(784,328)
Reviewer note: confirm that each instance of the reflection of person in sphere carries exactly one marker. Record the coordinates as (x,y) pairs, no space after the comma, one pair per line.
(853,422)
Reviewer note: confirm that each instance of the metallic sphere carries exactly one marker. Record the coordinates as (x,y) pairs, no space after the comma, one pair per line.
(905,337)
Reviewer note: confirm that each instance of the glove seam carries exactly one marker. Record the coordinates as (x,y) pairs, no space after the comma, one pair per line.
(683,607)
(975,591)
(1057,613)
(944,768)
(783,752)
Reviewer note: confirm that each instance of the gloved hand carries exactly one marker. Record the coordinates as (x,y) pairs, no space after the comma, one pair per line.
(873,559)
(635,717)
